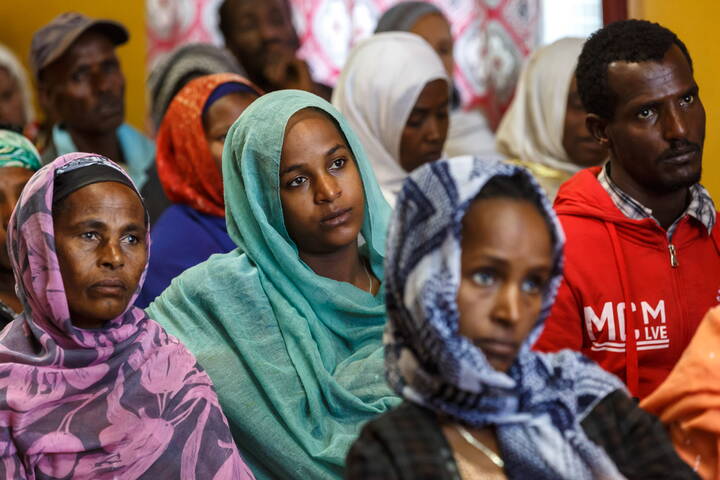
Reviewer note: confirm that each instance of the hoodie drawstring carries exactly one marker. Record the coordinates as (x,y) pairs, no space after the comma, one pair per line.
(631,354)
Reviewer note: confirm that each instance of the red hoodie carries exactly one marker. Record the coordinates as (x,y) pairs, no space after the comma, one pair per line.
(621,277)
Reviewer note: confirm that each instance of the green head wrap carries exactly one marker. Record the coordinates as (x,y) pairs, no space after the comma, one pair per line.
(296,358)
(18,151)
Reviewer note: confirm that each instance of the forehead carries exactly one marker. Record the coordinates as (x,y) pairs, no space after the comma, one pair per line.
(249,7)
(87,46)
(431,23)
(506,224)
(643,82)
(103,198)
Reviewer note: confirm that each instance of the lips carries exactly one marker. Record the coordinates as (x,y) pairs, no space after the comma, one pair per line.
(109,287)
(337,218)
(681,158)
(499,349)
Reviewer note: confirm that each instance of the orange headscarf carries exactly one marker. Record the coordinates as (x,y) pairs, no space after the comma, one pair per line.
(688,401)
(185,166)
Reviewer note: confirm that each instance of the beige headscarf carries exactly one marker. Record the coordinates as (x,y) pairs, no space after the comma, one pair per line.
(10,62)
(532,129)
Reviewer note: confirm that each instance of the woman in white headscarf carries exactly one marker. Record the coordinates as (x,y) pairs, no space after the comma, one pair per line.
(16,109)
(395,93)
(544,128)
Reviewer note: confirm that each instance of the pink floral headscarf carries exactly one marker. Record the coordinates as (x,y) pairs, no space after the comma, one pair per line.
(124,401)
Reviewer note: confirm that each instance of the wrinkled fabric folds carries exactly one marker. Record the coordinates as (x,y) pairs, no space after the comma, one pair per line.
(537,406)
(297,358)
(123,401)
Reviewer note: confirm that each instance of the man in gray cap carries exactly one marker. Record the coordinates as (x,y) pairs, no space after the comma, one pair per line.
(82,85)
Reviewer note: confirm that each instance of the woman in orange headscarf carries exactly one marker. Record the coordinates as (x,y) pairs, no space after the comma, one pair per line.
(688,401)
(189,161)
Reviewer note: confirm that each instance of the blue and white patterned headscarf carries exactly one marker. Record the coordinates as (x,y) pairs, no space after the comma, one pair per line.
(537,406)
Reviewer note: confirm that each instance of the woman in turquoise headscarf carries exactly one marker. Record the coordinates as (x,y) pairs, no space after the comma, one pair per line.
(18,161)
(289,324)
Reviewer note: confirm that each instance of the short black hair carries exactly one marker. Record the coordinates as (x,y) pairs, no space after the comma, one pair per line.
(623,41)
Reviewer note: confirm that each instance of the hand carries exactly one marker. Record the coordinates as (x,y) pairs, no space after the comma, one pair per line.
(284,70)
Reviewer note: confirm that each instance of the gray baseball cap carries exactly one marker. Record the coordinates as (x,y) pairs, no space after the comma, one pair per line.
(51,41)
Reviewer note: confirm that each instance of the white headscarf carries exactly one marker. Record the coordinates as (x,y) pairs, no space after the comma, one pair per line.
(377,89)
(10,62)
(532,129)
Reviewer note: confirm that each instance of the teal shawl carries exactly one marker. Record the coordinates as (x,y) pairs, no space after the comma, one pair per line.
(296,358)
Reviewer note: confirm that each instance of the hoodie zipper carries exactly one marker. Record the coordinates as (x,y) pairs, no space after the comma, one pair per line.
(673,256)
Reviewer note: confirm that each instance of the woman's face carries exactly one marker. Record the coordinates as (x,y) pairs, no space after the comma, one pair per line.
(506,266)
(580,146)
(423,137)
(11,101)
(320,186)
(219,118)
(12,181)
(435,29)
(100,241)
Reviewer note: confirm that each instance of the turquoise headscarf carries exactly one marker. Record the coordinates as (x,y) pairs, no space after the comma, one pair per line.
(18,151)
(296,358)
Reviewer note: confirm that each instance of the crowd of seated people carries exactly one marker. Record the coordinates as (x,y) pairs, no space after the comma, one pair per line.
(293,281)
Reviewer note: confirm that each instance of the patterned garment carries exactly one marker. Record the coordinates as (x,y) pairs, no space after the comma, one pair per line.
(18,151)
(431,364)
(124,401)
(701,206)
(186,168)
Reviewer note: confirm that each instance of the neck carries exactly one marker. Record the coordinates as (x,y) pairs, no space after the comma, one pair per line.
(344,265)
(106,144)
(666,207)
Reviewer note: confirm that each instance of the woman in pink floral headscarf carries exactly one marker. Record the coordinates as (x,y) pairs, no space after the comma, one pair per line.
(90,387)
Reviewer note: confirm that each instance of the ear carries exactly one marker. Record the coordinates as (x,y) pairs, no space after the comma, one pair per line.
(597,126)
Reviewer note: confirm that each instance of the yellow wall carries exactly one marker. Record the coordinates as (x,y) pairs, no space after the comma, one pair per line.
(22,19)
(695,23)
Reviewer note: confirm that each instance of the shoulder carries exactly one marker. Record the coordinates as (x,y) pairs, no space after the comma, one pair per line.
(634,439)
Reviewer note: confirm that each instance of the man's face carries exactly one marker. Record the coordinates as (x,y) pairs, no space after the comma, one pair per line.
(85,87)
(657,133)
(256,30)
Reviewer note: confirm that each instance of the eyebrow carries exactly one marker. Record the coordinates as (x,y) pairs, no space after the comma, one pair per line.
(427,109)
(99,225)
(298,166)
(693,89)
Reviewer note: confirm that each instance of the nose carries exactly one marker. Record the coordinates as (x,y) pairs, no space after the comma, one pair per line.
(111,255)
(432,134)
(674,127)
(327,189)
(506,310)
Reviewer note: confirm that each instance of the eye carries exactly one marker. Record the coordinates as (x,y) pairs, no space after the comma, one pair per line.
(645,113)
(79,76)
(89,235)
(132,239)
(338,163)
(687,100)
(297,181)
(484,278)
(532,285)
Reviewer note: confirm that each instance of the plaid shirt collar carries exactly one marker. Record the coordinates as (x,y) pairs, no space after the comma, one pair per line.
(701,205)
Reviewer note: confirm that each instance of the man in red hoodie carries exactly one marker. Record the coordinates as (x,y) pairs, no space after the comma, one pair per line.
(643,248)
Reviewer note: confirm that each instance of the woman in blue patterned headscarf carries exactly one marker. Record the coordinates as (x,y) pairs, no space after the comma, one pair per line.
(473,263)
(18,161)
